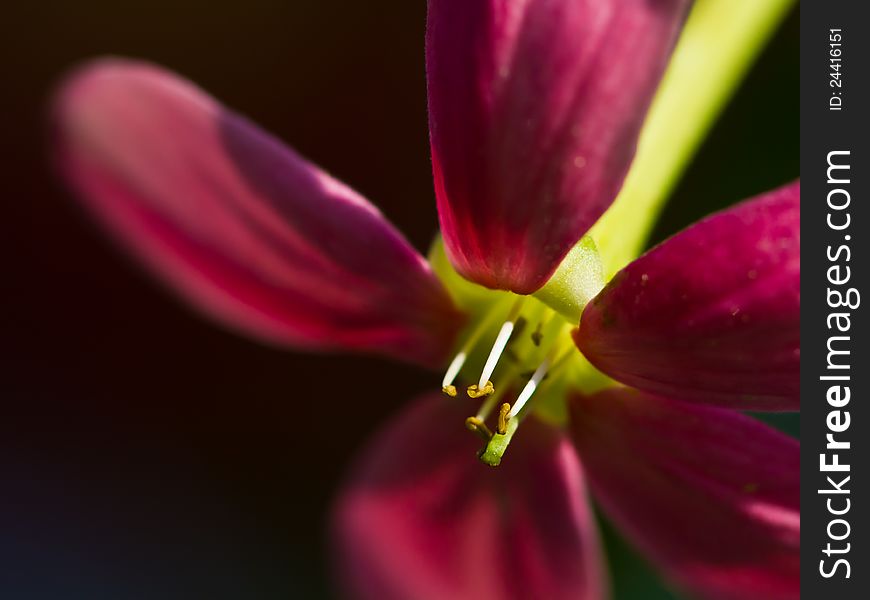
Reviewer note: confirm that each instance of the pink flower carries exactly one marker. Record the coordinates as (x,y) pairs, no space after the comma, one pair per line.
(535,109)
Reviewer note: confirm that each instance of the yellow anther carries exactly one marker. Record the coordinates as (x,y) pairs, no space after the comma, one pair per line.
(479,427)
(476,392)
(450,390)
(503,418)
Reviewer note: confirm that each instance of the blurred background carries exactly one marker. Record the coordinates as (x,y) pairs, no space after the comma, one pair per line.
(147,454)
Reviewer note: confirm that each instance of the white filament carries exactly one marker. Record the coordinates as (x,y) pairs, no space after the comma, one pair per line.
(530,388)
(498,347)
(453,369)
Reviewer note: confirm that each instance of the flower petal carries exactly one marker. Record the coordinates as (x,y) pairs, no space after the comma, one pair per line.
(241,226)
(423,518)
(534,112)
(710,495)
(711,315)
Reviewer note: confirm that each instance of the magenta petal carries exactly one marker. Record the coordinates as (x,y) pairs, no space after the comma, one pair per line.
(423,518)
(241,226)
(710,495)
(534,113)
(712,314)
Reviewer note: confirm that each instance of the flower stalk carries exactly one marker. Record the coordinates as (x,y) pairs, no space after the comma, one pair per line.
(719,44)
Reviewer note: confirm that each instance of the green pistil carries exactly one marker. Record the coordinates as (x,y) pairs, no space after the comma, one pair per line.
(497,444)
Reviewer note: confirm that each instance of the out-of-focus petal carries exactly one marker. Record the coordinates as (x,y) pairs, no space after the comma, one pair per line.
(422,518)
(534,111)
(710,495)
(712,314)
(240,225)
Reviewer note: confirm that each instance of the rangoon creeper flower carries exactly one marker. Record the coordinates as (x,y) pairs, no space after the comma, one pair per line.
(535,110)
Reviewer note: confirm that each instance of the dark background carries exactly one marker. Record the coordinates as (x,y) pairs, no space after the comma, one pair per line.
(147,454)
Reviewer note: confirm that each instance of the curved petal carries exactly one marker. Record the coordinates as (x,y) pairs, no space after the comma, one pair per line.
(534,111)
(241,226)
(712,314)
(710,495)
(423,518)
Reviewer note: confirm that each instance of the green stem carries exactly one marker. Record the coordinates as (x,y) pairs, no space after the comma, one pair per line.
(718,45)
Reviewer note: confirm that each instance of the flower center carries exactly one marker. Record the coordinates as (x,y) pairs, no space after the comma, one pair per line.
(519,360)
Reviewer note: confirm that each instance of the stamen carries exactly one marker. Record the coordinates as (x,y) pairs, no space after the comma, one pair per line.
(549,334)
(452,371)
(530,387)
(459,360)
(501,340)
(493,399)
(479,427)
(503,418)
(475,391)
(498,347)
